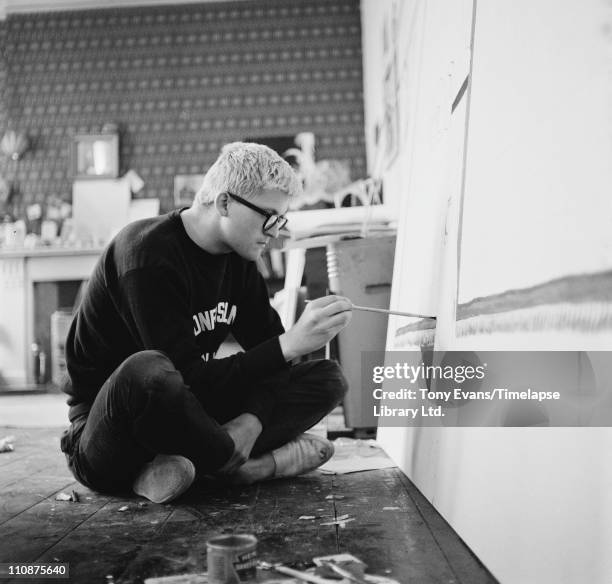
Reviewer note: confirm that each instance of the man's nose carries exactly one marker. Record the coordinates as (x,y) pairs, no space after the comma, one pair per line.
(273,231)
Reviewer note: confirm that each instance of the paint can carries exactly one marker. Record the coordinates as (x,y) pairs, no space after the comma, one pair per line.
(232,558)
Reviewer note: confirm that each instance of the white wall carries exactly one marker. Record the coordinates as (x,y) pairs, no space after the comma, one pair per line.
(535,505)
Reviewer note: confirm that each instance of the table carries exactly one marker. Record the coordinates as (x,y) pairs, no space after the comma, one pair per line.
(361,269)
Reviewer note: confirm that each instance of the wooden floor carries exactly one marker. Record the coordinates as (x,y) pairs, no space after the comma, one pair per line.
(410,543)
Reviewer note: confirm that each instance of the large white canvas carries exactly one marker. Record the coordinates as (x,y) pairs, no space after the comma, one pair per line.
(538,199)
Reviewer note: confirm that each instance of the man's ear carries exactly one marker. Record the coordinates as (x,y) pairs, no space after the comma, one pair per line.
(222,203)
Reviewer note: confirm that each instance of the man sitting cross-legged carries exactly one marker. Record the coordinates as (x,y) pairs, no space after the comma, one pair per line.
(150,406)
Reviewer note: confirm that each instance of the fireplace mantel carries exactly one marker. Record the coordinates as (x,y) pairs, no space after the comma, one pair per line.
(20,269)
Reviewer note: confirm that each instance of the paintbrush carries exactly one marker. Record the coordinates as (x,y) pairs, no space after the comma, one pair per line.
(384,311)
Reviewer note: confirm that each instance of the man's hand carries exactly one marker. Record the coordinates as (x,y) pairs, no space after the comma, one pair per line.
(244,431)
(320,322)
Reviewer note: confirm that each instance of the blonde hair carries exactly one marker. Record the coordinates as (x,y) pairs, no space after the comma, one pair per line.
(246,169)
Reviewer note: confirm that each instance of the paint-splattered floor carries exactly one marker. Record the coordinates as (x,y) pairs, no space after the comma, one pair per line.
(389,525)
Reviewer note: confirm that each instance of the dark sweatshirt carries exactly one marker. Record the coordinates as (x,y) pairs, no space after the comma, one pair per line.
(154,288)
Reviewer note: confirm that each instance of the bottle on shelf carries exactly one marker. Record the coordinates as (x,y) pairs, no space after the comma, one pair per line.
(39,362)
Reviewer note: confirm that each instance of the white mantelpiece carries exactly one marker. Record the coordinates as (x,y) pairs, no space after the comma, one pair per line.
(19,270)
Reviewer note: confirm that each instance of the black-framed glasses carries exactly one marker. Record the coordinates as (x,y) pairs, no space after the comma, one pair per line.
(271,219)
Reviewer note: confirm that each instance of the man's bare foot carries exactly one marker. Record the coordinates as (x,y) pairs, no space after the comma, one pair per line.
(244,431)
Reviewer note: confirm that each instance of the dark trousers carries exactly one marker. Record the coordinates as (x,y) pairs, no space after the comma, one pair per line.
(145,409)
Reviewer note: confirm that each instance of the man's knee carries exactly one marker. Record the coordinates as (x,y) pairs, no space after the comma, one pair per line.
(151,372)
(145,364)
(332,380)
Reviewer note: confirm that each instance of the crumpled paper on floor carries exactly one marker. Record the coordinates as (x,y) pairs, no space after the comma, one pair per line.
(6,444)
(352,455)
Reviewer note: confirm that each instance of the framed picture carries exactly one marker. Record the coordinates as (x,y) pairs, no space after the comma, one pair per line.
(95,155)
(185,188)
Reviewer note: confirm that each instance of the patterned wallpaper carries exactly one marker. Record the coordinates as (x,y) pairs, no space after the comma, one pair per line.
(180,81)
